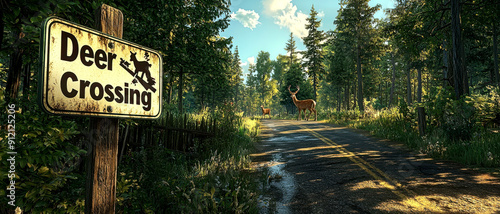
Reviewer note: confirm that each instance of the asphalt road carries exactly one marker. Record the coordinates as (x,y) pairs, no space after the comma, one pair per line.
(315,167)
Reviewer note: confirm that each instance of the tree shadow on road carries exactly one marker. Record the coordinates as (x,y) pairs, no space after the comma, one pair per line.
(336,170)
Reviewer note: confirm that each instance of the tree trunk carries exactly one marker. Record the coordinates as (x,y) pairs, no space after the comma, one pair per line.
(414,92)
(170,88)
(14,75)
(419,87)
(27,78)
(421,121)
(360,80)
(181,84)
(408,85)
(495,54)
(445,64)
(339,99)
(354,95)
(315,86)
(2,24)
(347,96)
(393,79)
(458,69)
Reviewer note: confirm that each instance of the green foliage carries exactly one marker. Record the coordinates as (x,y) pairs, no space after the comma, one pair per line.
(263,69)
(47,162)
(216,179)
(455,117)
(49,165)
(487,106)
(398,124)
(314,53)
(436,106)
(459,120)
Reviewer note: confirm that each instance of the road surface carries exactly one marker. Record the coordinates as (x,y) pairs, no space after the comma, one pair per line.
(315,167)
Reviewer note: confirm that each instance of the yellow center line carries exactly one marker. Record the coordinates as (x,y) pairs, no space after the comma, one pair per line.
(410,197)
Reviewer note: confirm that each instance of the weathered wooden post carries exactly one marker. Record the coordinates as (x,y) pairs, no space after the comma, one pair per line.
(100,190)
(421,121)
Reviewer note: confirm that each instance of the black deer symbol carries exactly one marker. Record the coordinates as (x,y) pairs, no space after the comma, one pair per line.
(142,66)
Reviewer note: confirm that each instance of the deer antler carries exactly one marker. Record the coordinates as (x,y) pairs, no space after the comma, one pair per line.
(298,88)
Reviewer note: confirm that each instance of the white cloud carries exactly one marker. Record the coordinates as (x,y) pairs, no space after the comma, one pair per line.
(273,6)
(251,60)
(243,64)
(248,18)
(285,14)
(321,14)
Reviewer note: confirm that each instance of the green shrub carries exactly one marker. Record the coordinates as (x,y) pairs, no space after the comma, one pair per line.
(457,118)
(48,159)
(487,105)
(452,134)
(216,179)
(459,121)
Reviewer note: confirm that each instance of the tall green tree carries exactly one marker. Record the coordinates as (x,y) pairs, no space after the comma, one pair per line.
(264,67)
(291,50)
(294,75)
(280,66)
(187,35)
(314,43)
(252,97)
(236,79)
(356,22)
(339,64)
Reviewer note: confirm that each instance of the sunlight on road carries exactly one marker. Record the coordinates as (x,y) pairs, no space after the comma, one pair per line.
(371,177)
(410,199)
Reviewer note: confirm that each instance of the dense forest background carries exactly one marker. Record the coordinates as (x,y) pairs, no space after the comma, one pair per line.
(438,54)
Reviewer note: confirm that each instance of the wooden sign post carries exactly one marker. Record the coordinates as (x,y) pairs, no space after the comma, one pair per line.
(93,72)
(100,189)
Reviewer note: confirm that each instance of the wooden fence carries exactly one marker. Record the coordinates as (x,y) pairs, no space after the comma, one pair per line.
(176,132)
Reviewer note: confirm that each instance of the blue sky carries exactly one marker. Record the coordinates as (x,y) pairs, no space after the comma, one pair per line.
(266,24)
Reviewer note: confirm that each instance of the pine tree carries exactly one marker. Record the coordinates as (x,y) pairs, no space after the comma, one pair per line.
(235,79)
(314,53)
(355,21)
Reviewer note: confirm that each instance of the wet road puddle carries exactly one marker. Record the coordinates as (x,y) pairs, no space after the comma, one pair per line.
(280,182)
(288,139)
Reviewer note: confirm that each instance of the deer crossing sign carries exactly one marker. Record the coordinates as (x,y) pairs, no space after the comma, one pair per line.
(87,72)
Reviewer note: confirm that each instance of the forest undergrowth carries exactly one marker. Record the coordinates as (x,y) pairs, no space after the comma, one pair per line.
(459,130)
(213,177)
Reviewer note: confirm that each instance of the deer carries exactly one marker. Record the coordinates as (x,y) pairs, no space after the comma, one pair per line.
(265,111)
(304,105)
(142,66)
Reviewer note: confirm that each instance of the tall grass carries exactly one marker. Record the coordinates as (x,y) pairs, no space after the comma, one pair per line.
(215,179)
(482,149)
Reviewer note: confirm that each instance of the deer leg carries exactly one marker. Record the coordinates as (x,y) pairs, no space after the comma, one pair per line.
(299,115)
(309,116)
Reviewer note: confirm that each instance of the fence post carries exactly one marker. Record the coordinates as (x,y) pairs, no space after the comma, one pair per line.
(100,189)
